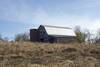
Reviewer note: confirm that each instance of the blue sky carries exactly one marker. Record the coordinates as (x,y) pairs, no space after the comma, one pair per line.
(18,16)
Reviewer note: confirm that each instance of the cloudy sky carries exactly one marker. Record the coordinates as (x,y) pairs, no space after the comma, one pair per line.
(18,16)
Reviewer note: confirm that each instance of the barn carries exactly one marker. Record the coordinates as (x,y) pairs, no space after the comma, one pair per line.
(52,34)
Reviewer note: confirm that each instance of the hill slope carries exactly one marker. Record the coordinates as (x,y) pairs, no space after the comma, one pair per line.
(25,54)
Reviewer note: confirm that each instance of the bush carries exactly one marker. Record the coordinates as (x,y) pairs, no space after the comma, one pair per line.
(80,37)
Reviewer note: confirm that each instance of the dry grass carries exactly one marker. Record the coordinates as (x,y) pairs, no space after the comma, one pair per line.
(26,54)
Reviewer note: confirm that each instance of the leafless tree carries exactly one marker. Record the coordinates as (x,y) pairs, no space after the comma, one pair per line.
(22,37)
(97,39)
(1,39)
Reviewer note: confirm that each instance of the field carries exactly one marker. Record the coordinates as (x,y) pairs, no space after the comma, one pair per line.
(26,54)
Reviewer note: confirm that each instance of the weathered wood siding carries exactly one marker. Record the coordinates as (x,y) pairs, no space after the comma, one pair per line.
(43,34)
(67,39)
(34,35)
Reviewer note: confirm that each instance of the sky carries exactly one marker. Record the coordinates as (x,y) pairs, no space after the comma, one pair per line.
(18,16)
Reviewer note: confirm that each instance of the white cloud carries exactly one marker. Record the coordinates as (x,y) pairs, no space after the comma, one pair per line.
(42,17)
(23,12)
(16,11)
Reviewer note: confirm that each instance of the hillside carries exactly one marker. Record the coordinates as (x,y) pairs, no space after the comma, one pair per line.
(26,54)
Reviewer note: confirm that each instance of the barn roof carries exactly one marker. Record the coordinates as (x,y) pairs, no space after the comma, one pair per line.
(59,31)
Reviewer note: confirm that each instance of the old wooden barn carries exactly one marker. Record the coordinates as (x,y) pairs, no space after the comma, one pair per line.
(52,34)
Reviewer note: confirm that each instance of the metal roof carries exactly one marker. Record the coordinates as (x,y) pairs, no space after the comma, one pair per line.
(59,31)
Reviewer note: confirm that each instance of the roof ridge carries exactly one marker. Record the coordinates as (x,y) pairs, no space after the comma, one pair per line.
(57,26)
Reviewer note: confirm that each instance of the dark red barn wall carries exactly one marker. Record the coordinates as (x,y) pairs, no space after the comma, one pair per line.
(34,35)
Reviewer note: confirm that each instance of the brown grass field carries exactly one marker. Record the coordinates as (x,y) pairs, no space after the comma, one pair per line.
(26,54)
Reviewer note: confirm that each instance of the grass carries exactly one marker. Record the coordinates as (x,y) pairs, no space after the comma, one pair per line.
(27,54)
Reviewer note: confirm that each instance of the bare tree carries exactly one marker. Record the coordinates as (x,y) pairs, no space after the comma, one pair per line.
(97,39)
(77,29)
(98,34)
(22,37)
(1,39)
(87,35)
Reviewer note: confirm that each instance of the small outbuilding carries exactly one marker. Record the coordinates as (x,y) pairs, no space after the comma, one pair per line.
(52,34)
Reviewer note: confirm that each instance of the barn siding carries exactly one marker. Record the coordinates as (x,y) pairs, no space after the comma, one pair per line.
(66,39)
(34,35)
(41,35)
